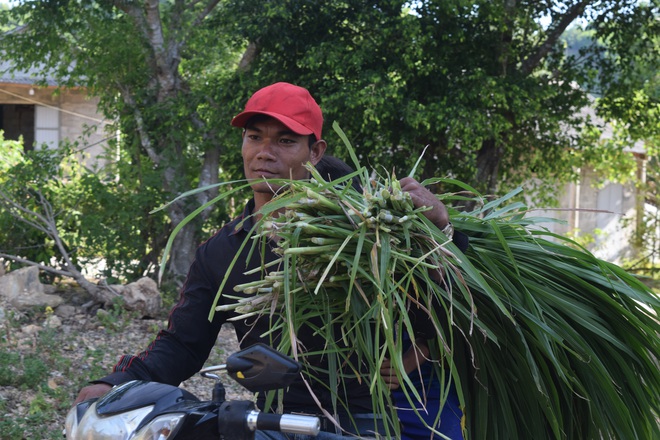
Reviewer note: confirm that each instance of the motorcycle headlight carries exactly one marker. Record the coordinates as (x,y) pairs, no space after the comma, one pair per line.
(160,428)
(71,424)
(115,427)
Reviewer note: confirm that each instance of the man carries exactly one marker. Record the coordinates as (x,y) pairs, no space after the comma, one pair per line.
(282,128)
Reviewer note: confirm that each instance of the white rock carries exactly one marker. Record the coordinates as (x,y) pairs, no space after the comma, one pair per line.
(66,311)
(53,321)
(142,296)
(22,289)
(31,329)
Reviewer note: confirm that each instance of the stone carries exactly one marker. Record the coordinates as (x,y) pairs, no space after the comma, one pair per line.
(31,329)
(49,289)
(66,311)
(53,321)
(22,289)
(141,296)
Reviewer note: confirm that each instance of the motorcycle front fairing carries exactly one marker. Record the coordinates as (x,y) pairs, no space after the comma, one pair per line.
(140,410)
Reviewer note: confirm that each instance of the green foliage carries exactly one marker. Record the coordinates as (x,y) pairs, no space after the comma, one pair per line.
(572,302)
(490,90)
(32,368)
(129,55)
(84,206)
(11,153)
(6,375)
(451,75)
(38,423)
(610,158)
(629,78)
(115,316)
(18,371)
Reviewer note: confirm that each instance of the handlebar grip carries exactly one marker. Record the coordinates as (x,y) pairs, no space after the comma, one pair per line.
(289,423)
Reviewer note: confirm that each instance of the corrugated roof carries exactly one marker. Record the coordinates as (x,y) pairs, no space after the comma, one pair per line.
(27,77)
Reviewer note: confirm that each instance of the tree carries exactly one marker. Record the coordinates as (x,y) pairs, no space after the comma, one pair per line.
(131,54)
(484,84)
(49,220)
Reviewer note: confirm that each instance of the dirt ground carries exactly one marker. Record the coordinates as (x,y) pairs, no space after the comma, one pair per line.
(47,358)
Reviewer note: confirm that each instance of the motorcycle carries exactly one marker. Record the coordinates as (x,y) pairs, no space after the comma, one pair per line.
(140,410)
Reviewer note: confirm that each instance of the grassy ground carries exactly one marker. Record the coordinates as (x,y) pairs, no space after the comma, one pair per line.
(42,369)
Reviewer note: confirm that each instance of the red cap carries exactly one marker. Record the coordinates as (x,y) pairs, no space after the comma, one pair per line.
(293,106)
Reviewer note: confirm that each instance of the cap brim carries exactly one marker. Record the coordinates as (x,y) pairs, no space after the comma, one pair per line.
(242,118)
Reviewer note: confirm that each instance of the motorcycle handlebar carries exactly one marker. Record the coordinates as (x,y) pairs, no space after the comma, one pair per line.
(289,423)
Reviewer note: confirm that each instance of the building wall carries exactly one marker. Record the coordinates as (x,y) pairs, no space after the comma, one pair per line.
(602,216)
(78,115)
(68,115)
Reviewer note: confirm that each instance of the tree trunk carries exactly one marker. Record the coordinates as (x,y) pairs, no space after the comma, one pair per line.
(189,237)
(488,163)
(183,252)
(100,294)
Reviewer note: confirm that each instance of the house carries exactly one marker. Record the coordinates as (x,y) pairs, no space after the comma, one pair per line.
(40,116)
(604,216)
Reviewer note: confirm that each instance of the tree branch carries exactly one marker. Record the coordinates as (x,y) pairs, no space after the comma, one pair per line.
(10,204)
(135,11)
(249,56)
(145,139)
(47,224)
(166,57)
(210,6)
(50,269)
(556,29)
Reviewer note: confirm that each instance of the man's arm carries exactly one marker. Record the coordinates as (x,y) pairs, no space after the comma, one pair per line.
(179,351)
(418,353)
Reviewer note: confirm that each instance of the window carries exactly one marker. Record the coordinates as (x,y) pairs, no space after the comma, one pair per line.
(17,120)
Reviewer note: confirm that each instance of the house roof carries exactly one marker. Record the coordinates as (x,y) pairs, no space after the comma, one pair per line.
(26,77)
(10,75)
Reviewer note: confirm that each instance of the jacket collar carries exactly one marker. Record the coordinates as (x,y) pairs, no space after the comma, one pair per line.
(245,222)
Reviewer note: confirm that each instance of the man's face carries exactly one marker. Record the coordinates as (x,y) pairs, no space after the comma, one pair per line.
(272,151)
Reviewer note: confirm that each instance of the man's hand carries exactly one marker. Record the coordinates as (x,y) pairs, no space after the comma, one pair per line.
(415,356)
(423,197)
(91,391)
(389,375)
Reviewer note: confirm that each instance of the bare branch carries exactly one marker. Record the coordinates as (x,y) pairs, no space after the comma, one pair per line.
(210,6)
(556,30)
(12,207)
(50,269)
(249,56)
(47,224)
(145,139)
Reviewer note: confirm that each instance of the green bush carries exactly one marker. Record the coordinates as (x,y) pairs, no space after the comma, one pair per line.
(35,371)
(29,371)
(7,374)
(97,217)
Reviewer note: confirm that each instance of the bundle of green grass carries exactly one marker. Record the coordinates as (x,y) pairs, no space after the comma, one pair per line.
(540,338)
